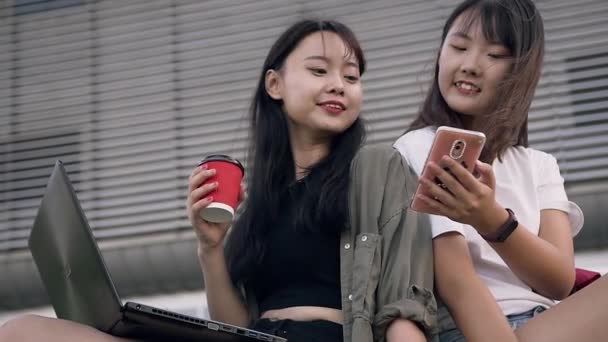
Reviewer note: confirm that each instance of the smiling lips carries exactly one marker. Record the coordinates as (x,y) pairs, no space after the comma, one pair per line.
(467,88)
(333,107)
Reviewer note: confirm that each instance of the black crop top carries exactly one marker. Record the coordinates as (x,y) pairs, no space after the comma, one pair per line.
(301,267)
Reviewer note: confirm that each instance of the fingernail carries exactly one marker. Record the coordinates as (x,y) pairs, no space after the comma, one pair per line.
(209,198)
(203,167)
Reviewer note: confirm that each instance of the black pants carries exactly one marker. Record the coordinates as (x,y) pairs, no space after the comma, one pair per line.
(301,331)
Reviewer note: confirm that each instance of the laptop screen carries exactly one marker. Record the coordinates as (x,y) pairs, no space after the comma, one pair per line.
(68,259)
(79,285)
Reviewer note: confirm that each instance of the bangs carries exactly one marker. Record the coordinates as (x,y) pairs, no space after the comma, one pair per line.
(353,49)
(496,24)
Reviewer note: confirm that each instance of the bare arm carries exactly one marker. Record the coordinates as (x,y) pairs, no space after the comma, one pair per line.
(223,298)
(404,330)
(544,262)
(468,299)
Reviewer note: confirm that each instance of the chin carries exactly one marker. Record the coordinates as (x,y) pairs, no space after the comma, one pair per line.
(333,130)
(464,109)
(336,127)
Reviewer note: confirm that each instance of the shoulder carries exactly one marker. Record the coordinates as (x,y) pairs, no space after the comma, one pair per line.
(380,152)
(527,153)
(415,146)
(382,167)
(416,138)
(541,157)
(379,159)
(380,189)
(536,159)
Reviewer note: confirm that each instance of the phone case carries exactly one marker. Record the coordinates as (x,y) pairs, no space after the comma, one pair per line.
(462,145)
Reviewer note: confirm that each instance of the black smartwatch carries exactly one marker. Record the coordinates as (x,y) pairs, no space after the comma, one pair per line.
(503,231)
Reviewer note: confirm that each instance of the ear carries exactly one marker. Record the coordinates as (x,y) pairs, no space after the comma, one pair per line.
(273,84)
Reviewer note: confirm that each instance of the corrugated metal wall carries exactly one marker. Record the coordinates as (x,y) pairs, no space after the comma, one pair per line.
(130,94)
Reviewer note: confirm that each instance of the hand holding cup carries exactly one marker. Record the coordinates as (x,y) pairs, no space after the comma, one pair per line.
(214,191)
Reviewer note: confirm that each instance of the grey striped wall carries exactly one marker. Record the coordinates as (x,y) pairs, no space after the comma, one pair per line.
(130,94)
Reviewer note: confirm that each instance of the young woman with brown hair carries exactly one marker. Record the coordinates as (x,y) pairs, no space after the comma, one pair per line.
(495,266)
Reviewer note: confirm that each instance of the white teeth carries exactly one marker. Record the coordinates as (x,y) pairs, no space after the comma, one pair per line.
(466,86)
(333,106)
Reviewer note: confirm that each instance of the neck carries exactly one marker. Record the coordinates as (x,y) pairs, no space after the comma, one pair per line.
(307,152)
(468,121)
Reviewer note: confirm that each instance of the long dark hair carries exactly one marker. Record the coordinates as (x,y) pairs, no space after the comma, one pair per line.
(516,24)
(271,164)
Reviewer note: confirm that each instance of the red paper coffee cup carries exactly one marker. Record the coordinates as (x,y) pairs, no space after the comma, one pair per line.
(229,173)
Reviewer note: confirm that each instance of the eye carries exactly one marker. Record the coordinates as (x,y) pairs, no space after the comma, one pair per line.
(318,71)
(501,52)
(499,55)
(458,47)
(352,78)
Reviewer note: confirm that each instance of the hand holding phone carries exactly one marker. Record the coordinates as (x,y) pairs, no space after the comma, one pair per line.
(461,145)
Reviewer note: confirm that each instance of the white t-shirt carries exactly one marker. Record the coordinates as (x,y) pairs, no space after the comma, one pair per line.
(527,181)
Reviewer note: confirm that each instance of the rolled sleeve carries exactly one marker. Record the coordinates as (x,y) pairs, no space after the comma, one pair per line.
(417,306)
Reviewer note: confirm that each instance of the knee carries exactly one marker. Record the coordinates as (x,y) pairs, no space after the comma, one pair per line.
(17,329)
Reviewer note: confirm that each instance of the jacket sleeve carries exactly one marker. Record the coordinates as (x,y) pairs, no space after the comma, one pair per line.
(405,283)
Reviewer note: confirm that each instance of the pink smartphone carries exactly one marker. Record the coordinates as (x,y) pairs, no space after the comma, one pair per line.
(464,146)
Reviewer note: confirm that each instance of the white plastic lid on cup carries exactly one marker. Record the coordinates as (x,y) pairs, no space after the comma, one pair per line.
(217,212)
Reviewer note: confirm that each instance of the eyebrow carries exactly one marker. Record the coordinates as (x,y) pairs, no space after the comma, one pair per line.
(326,60)
(461,35)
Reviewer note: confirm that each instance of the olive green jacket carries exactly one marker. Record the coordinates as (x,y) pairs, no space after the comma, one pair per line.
(386,257)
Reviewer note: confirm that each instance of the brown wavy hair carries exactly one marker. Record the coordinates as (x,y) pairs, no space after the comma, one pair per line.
(517,25)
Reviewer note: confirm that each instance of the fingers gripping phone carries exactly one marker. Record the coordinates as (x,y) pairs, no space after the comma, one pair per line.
(463,146)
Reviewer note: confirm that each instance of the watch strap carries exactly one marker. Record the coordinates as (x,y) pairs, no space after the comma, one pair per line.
(505,230)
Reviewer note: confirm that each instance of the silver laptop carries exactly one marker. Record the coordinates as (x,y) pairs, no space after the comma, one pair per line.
(80,288)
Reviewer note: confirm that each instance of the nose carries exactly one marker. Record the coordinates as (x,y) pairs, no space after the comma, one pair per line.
(335,84)
(470,65)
